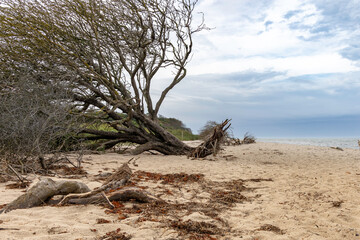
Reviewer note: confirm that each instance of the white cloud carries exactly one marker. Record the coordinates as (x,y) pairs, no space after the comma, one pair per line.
(268,40)
(294,66)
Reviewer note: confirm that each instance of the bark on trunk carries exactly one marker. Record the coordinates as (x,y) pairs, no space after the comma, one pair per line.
(150,136)
(167,149)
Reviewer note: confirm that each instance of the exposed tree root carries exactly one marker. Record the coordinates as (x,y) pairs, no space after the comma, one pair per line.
(212,144)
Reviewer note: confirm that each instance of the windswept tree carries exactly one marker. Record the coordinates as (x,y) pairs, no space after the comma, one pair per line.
(107,54)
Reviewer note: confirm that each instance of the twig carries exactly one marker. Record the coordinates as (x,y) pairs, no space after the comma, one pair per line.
(70,162)
(55,159)
(16,173)
(337,148)
(130,160)
(152,153)
(79,158)
(134,162)
(107,200)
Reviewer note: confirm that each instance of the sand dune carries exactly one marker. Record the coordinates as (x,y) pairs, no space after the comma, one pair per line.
(257,191)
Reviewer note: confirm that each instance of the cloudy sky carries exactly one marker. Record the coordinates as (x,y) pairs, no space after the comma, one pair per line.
(277,68)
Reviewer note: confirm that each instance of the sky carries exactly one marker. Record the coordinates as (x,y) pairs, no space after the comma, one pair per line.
(277,68)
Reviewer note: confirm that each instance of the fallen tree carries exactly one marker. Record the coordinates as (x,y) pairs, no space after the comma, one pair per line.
(107,54)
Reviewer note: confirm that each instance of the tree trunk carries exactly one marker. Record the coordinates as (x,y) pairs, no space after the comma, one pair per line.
(167,149)
(147,133)
(151,136)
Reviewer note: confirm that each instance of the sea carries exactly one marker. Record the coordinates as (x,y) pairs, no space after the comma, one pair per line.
(323,142)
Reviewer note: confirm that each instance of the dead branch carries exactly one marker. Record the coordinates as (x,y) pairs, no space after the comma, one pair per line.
(120,195)
(248,139)
(116,180)
(16,173)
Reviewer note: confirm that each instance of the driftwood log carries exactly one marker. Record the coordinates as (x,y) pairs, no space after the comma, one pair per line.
(43,191)
(79,193)
(212,144)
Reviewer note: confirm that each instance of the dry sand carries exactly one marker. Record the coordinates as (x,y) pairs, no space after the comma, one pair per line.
(314,194)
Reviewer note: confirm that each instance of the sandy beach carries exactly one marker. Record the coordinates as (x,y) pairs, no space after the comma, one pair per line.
(272,191)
